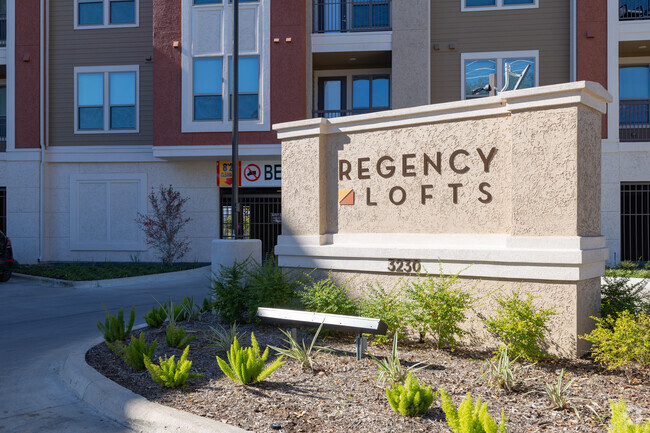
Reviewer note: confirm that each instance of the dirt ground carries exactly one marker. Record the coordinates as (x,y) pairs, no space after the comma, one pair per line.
(341,396)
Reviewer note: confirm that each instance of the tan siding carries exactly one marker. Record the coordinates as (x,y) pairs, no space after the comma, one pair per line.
(545,29)
(100,47)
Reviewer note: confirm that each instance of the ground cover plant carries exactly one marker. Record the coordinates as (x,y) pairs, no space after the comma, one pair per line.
(101,271)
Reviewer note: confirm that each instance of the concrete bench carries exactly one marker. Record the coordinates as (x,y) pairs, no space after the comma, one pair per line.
(336,322)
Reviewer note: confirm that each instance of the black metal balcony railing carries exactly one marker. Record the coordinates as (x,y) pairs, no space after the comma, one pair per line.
(3,133)
(336,16)
(634,120)
(3,30)
(633,10)
(329,114)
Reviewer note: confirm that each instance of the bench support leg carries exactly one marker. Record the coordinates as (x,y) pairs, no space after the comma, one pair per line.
(362,345)
(294,333)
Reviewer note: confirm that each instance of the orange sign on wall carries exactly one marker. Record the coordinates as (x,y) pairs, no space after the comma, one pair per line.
(224,173)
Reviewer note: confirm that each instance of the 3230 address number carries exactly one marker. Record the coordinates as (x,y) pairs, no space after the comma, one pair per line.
(405,266)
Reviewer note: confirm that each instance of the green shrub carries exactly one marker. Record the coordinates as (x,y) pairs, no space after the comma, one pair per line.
(619,295)
(470,417)
(325,296)
(521,326)
(175,337)
(390,368)
(300,352)
(270,286)
(411,398)
(114,328)
(386,305)
(246,366)
(438,308)
(621,422)
(134,353)
(502,372)
(229,292)
(207,305)
(170,373)
(628,265)
(156,316)
(621,340)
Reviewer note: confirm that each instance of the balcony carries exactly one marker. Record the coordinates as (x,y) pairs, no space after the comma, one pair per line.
(631,10)
(634,123)
(342,16)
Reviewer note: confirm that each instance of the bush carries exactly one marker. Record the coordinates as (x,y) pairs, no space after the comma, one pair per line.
(162,228)
(619,295)
(246,364)
(270,286)
(628,265)
(229,292)
(470,417)
(170,373)
(386,305)
(325,296)
(156,316)
(113,327)
(438,308)
(410,399)
(621,422)
(621,340)
(135,352)
(521,326)
(175,337)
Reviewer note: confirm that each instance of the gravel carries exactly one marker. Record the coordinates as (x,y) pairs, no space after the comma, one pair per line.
(341,395)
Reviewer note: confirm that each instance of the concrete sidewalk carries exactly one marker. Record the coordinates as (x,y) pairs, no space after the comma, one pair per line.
(42,323)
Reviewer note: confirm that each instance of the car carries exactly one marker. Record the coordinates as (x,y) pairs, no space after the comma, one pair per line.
(6,258)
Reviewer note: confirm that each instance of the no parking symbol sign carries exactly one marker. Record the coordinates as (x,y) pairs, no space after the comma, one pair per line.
(251,173)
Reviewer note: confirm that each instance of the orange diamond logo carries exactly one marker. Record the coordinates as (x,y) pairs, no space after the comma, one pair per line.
(346,196)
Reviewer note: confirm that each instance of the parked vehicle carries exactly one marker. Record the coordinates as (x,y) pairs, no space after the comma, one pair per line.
(6,258)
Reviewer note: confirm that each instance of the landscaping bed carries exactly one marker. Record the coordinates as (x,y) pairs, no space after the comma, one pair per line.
(342,396)
(101,271)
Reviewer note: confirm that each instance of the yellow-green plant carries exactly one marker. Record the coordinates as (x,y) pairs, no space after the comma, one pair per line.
(175,337)
(410,399)
(246,364)
(621,340)
(135,352)
(387,305)
(470,417)
(156,316)
(170,373)
(621,422)
(521,326)
(114,328)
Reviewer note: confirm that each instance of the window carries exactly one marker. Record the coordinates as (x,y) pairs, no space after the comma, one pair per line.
(634,105)
(105,13)
(484,5)
(507,67)
(207,79)
(106,99)
(342,93)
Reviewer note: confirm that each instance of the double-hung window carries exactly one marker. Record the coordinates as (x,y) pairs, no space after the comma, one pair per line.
(485,5)
(208,66)
(346,92)
(507,67)
(106,99)
(105,13)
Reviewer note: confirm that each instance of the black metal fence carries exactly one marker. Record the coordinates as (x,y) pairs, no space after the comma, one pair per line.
(633,10)
(634,120)
(351,15)
(3,209)
(635,221)
(329,114)
(261,214)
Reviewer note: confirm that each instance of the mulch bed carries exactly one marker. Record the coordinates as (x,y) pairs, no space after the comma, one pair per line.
(342,397)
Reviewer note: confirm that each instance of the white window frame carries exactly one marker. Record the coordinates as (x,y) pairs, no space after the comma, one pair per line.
(498,6)
(109,178)
(349,74)
(106,70)
(498,56)
(106,16)
(263,122)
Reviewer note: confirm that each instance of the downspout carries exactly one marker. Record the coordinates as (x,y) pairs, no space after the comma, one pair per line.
(573,29)
(41,198)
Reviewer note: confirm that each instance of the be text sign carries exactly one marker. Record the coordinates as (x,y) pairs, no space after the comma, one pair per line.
(251,174)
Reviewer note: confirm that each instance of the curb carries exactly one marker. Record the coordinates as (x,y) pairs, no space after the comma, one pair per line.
(168,276)
(126,407)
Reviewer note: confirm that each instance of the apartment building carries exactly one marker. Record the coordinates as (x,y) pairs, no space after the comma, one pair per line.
(109,98)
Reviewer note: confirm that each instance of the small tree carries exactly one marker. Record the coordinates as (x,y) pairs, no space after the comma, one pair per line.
(163,226)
